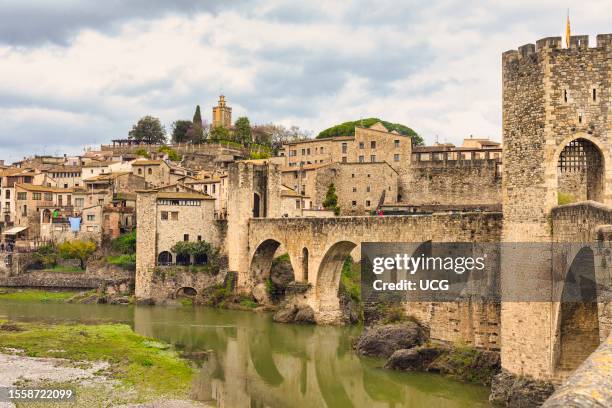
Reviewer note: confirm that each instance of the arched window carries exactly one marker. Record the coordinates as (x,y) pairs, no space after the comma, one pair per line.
(580,172)
(150,171)
(183,259)
(164,258)
(201,259)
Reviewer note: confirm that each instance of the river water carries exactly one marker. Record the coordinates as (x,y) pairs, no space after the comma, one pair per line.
(257,363)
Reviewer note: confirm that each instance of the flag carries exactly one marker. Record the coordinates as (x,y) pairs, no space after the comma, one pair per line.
(567,31)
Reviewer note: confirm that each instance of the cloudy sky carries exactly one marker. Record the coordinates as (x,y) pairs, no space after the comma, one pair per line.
(76,73)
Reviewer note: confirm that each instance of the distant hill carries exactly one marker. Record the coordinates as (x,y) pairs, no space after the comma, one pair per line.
(348,129)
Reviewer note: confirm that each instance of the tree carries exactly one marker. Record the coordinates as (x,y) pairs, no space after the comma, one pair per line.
(148,130)
(276,135)
(180,129)
(141,151)
(219,133)
(77,249)
(242,130)
(196,133)
(331,200)
(172,154)
(348,129)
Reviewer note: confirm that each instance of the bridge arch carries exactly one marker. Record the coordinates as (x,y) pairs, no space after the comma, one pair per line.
(328,281)
(187,291)
(578,317)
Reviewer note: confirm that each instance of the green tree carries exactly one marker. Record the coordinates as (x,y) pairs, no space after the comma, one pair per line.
(219,133)
(141,151)
(148,130)
(196,133)
(172,154)
(348,129)
(331,200)
(242,130)
(76,249)
(180,129)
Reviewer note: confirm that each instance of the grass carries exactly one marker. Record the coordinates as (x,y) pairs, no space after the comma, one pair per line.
(127,261)
(149,367)
(35,295)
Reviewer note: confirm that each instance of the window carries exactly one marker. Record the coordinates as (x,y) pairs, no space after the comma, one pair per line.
(139,171)
(79,202)
(22,195)
(373,144)
(368,175)
(354,189)
(565,95)
(373,158)
(213,189)
(7,194)
(396,143)
(308,151)
(25,210)
(164,215)
(100,201)
(303,152)
(297,204)
(321,150)
(91,217)
(396,157)
(36,196)
(353,175)
(185,237)
(344,148)
(199,237)
(174,215)
(354,203)
(361,159)
(368,189)
(361,145)
(367,203)
(150,171)
(594,95)
(65,185)
(48,197)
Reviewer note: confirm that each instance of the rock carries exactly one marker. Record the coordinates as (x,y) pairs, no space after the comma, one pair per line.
(304,314)
(260,293)
(10,327)
(382,341)
(414,359)
(145,302)
(468,364)
(509,390)
(286,314)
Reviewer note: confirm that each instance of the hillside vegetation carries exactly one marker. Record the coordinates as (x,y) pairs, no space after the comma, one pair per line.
(348,129)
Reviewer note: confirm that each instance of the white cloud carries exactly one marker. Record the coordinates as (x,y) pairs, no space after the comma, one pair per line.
(434,66)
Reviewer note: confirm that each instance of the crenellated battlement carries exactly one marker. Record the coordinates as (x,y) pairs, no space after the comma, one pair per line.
(577,42)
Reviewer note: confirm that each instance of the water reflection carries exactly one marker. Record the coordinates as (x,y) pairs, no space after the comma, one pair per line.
(254,362)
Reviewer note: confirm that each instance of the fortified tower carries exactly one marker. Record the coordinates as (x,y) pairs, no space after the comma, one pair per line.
(556,136)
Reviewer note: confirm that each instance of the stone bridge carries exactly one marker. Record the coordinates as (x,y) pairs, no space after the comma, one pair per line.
(317,247)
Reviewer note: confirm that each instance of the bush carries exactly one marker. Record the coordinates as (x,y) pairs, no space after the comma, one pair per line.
(141,151)
(46,256)
(76,249)
(565,198)
(350,278)
(172,154)
(259,155)
(125,244)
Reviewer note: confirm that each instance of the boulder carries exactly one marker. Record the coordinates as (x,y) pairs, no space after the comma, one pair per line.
(414,359)
(304,314)
(286,314)
(509,390)
(260,293)
(382,341)
(145,302)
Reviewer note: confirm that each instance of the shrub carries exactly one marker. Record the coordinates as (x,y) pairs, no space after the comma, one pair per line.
(127,261)
(46,256)
(172,154)
(141,151)
(125,244)
(76,249)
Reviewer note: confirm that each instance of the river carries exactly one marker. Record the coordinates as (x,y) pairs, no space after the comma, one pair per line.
(258,363)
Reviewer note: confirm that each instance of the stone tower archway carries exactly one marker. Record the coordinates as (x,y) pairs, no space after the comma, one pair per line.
(580,172)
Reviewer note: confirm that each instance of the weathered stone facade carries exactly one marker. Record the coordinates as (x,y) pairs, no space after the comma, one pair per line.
(553,99)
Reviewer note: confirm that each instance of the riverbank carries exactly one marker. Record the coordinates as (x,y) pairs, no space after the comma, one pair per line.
(36,295)
(107,364)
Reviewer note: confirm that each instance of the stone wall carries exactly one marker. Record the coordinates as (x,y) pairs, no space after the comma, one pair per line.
(452,182)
